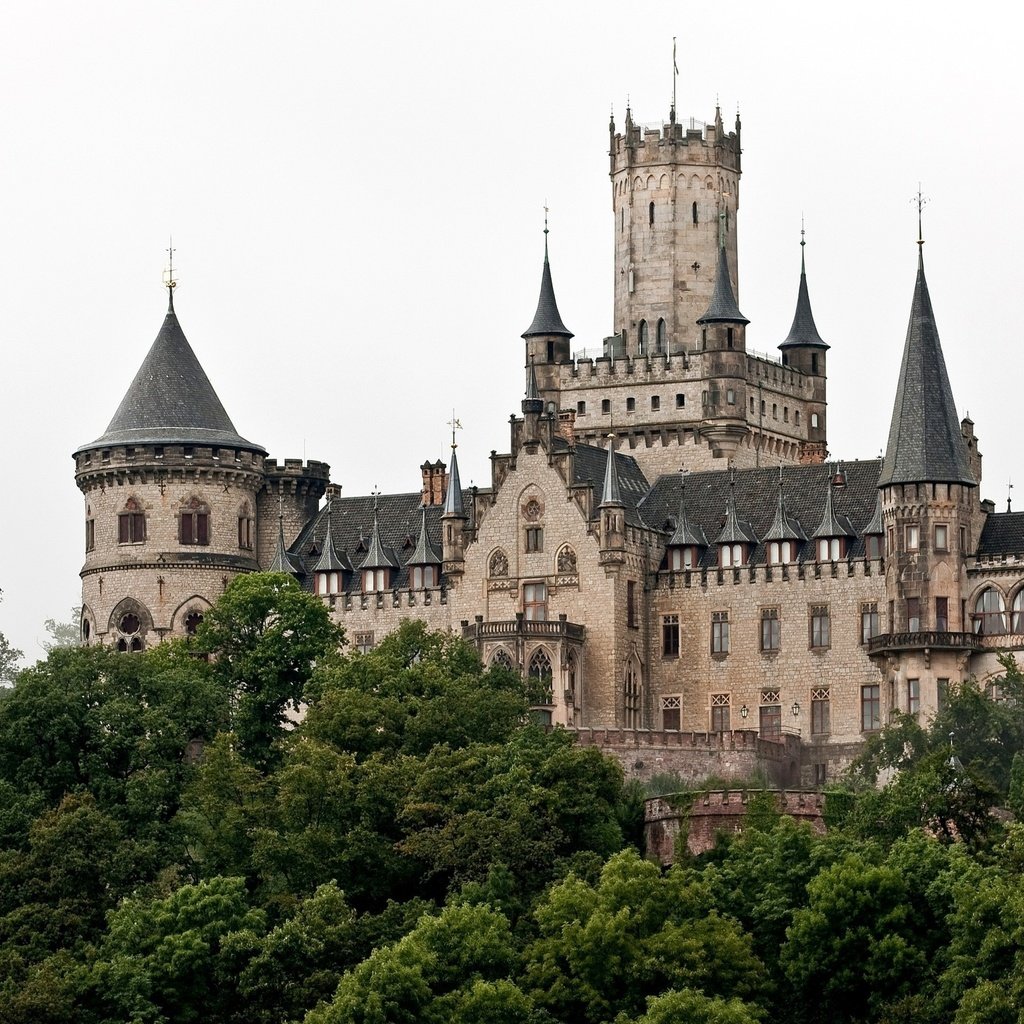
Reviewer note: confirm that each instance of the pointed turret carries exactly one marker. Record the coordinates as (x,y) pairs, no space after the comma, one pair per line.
(532,403)
(925,441)
(453,496)
(329,569)
(723,308)
(547,338)
(611,493)
(171,400)
(782,527)
(804,332)
(737,537)
(283,560)
(684,547)
(453,522)
(424,553)
(377,556)
(613,512)
(833,533)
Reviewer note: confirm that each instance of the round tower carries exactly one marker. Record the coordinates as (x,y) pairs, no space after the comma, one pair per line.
(170,492)
(670,185)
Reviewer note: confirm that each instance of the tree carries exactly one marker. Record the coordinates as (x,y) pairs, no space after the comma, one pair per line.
(64,634)
(266,635)
(9,658)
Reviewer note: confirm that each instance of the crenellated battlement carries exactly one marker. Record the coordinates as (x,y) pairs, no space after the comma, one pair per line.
(296,469)
(706,578)
(690,141)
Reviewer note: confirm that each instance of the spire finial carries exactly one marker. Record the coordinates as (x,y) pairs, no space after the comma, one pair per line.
(170,282)
(545,231)
(675,74)
(1009,487)
(921,202)
(455,424)
(803,242)
(376,494)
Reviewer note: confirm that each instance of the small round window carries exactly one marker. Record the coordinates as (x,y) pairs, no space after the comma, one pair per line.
(129,623)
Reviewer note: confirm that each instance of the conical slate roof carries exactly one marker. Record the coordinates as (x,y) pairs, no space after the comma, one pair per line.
(377,556)
(782,527)
(735,531)
(329,559)
(453,496)
(686,534)
(832,525)
(171,400)
(723,308)
(611,493)
(803,332)
(925,443)
(547,319)
(283,561)
(424,553)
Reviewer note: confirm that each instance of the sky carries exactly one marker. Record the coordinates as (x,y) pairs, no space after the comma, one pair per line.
(355,194)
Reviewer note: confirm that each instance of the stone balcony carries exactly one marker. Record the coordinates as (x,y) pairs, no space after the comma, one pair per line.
(924,640)
(520,626)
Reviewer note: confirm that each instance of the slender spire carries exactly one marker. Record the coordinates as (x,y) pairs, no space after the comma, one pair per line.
(424,553)
(283,560)
(803,332)
(453,496)
(377,556)
(925,442)
(532,403)
(329,560)
(723,307)
(611,494)
(686,534)
(783,527)
(547,320)
(875,525)
(734,531)
(831,525)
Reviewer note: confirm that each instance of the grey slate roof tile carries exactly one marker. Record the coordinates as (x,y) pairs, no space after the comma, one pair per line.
(547,319)
(803,332)
(1003,534)
(723,307)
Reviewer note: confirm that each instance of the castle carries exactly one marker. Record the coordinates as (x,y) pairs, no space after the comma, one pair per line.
(664,548)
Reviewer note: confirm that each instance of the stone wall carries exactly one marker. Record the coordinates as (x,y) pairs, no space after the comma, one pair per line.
(703,817)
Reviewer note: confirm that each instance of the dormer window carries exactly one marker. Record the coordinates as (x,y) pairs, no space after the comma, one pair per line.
(424,577)
(375,580)
(831,549)
(781,552)
(328,583)
(873,545)
(680,559)
(731,556)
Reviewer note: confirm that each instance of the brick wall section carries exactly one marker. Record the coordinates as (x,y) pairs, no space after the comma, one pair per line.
(711,813)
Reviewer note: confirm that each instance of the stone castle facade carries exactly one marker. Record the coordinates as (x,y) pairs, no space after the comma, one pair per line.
(663,548)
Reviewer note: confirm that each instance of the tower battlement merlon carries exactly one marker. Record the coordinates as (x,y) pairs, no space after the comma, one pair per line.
(698,141)
(292,472)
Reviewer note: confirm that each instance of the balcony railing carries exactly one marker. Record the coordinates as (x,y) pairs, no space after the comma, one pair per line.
(521,626)
(921,640)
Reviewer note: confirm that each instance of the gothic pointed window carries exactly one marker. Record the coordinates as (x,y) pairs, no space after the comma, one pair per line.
(989,613)
(502,659)
(661,337)
(540,678)
(1017,613)
(631,696)
(194,523)
(650,215)
(131,523)
(641,338)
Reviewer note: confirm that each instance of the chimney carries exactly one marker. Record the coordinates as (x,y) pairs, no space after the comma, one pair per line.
(567,425)
(435,482)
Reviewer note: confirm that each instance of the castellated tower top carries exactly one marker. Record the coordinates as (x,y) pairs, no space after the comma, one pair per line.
(675,195)
(171,400)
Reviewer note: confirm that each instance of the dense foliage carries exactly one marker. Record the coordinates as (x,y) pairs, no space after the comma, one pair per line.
(178,845)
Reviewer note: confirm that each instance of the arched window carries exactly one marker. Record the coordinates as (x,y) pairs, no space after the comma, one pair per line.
(780,552)
(732,555)
(989,613)
(424,577)
(375,580)
(695,211)
(641,337)
(650,214)
(631,696)
(131,523)
(192,622)
(502,659)
(540,678)
(572,673)
(1017,613)
(194,523)
(661,338)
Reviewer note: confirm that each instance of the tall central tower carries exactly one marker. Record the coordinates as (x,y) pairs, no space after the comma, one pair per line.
(672,186)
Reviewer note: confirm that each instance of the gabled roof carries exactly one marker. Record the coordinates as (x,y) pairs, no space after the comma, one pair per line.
(925,442)
(803,332)
(723,308)
(1003,534)
(590,467)
(171,400)
(547,319)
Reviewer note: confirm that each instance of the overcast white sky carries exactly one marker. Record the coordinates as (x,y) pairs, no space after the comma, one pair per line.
(356,190)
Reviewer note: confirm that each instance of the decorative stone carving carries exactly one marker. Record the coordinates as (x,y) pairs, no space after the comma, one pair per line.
(566,560)
(532,510)
(499,564)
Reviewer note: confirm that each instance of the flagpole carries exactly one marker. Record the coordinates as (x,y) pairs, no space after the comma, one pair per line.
(675,72)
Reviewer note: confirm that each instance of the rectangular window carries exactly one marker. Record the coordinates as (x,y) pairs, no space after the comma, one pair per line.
(670,636)
(630,405)
(942,614)
(535,602)
(892,616)
(655,403)
(534,538)
(941,692)
(821,627)
(375,580)
(963,540)
(680,401)
(720,712)
(131,528)
(671,712)
(868,622)
(913,696)
(821,711)
(719,632)
(194,528)
(771,629)
(941,537)
(819,774)
(913,538)
(873,545)
(424,577)
(581,408)
(870,708)
(245,532)
(606,405)
(892,540)
(771,722)
(913,614)
(364,642)
(631,604)
(90,534)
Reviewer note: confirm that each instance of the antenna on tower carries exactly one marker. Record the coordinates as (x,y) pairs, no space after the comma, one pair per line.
(921,202)
(675,73)
(170,281)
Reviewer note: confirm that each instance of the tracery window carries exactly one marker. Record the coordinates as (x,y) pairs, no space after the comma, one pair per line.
(989,613)
(631,696)
(540,676)
(502,659)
